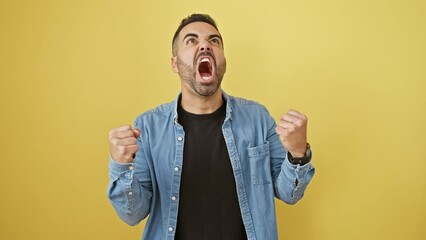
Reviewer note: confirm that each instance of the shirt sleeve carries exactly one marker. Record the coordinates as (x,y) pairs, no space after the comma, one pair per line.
(290,180)
(129,197)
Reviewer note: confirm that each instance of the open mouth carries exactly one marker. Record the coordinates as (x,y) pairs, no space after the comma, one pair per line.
(205,68)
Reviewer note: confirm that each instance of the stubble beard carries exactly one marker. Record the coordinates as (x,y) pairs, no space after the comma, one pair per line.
(188,73)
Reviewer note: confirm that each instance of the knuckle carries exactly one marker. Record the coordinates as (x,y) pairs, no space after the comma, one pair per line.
(131,151)
(112,134)
(113,141)
(121,149)
(298,123)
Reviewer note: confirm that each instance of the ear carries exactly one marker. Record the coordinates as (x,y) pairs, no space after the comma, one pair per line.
(174,64)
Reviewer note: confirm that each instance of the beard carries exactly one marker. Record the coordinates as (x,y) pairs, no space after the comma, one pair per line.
(188,74)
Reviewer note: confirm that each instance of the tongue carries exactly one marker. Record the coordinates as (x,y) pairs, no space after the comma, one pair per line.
(204,69)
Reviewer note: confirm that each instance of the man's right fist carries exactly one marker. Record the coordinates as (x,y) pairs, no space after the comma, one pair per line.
(122,143)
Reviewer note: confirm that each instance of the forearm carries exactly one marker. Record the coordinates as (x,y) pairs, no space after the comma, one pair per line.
(291,182)
(129,199)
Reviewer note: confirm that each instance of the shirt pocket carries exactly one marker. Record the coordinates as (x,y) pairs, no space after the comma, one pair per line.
(260,167)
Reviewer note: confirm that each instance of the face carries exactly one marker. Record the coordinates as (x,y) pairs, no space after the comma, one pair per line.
(199,60)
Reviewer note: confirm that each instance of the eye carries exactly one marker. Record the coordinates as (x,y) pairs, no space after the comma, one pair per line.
(191,41)
(215,41)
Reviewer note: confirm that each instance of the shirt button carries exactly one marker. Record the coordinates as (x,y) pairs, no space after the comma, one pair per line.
(173,198)
(131,168)
(176,169)
(180,139)
(170,229)
(130,193)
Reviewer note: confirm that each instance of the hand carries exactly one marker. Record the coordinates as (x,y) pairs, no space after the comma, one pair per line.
(122,143)
(292,132)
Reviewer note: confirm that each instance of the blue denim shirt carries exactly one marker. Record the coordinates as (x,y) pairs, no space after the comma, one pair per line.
(150,185)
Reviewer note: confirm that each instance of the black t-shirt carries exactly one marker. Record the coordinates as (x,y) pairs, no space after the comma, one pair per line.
(208,204)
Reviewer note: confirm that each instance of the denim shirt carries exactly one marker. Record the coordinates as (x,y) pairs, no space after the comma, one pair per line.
(150,184)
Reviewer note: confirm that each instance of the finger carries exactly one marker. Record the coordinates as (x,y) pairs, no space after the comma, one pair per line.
(126,141)
(286,125)
(132,149)
(294,119)
(283,133)
(289,118)
(121,128)
(136,132)
(297,114)
(123,134)
(126,153)
(120,142)
(128,150)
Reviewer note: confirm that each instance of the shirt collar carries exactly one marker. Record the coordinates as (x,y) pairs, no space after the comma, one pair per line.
(228,106)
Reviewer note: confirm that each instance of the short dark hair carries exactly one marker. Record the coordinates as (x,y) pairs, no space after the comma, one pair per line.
(196,17)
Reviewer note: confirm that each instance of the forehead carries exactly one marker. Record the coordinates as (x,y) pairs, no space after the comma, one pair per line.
(199,28)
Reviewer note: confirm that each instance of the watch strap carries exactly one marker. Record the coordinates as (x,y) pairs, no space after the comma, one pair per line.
(301,160)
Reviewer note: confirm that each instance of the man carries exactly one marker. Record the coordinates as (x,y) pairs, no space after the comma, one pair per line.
(207,165)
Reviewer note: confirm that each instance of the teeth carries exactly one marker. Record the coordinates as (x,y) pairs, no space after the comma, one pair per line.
(205,60)
(205,78)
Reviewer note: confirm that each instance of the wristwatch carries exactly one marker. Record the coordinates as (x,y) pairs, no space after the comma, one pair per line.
(301,160)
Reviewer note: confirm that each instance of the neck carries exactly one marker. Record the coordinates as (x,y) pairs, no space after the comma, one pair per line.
(197,104)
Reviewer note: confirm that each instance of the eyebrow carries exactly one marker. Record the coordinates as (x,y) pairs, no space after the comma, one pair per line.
(216,36)
(196,36)
(189,35)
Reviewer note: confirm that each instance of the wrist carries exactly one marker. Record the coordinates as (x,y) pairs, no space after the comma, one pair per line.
(297,154)
(300,152)
(301,160)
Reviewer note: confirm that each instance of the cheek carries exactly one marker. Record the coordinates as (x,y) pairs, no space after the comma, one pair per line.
(188,53)
(220,58)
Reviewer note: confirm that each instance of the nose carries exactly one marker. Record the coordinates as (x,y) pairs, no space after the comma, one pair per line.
(205,46)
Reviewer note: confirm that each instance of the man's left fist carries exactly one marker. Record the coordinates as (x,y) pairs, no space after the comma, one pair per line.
(292,131)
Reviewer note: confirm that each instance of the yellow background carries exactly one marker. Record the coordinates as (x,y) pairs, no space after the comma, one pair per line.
(71,70)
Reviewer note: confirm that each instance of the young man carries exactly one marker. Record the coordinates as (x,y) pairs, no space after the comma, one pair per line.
(207,165)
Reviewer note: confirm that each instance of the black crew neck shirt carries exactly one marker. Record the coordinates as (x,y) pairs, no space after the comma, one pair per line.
(208,202)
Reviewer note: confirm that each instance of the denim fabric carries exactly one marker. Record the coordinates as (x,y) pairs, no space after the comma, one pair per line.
(150,184)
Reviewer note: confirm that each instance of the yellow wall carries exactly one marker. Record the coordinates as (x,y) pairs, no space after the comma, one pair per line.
(71,70)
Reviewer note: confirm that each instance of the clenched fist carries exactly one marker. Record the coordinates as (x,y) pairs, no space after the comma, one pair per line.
(122,143)
(292,131)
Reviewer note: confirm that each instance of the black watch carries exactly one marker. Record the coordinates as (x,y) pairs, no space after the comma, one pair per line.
(301,160)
